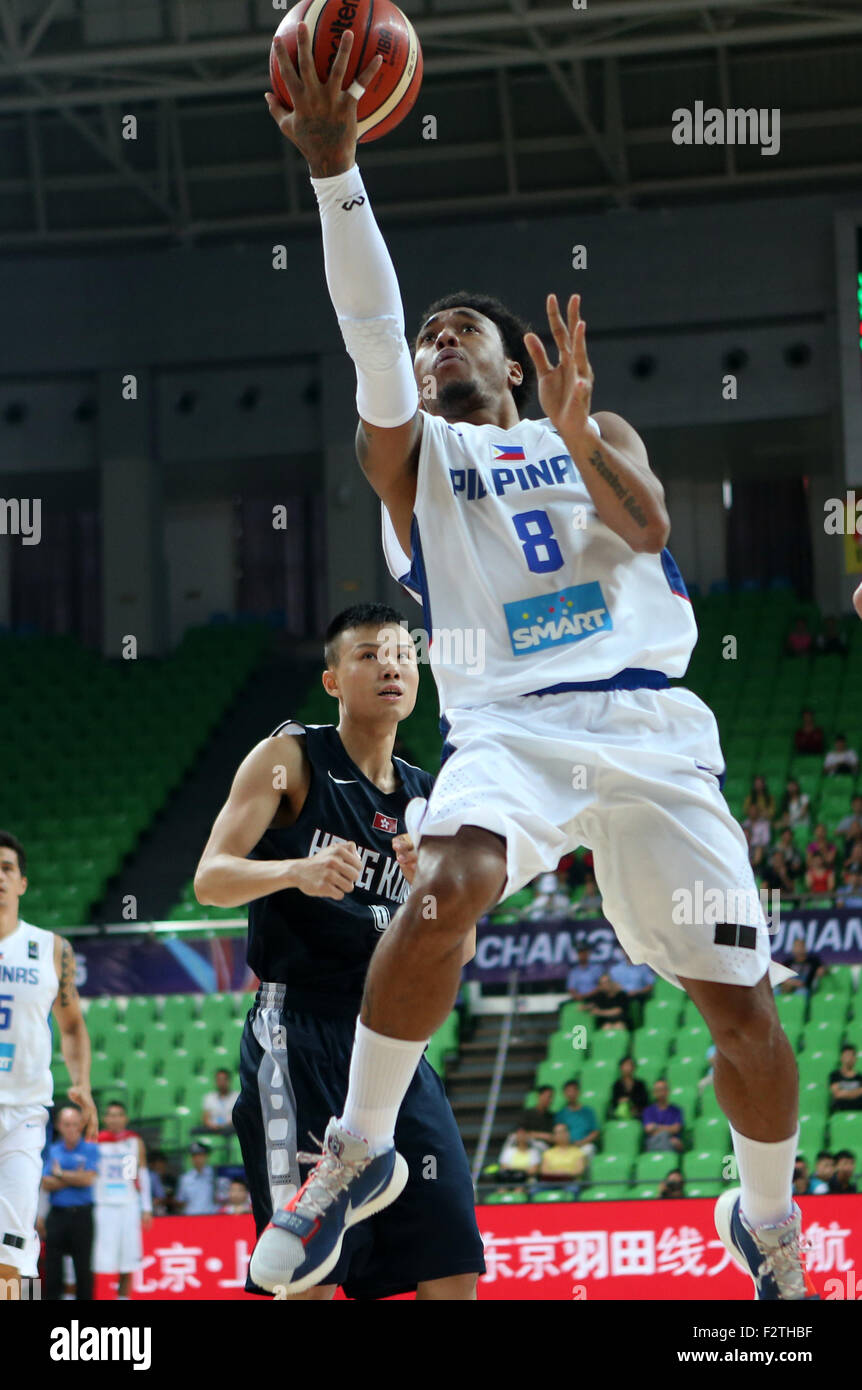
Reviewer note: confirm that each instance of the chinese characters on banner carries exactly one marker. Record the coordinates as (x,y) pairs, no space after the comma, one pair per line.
(593,1250)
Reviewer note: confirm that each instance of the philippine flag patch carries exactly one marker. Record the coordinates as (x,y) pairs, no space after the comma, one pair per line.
(388,824)
(508,453)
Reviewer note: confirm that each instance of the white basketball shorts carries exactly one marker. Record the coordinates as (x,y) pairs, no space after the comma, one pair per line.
(632,775)
(22,1139)
(117,1247)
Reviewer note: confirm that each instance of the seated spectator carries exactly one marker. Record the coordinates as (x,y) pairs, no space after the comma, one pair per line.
(551,898)
(238,1201)
(196,1187)
(853,864)
(758,811)
(520,1157)
(163,1184)
(810,968)
(843,1178)
(822,845)
(775,874)
(850,895)
(539,1121)
(610,1006)
(629,1096)
(801,1177)
(799,639)
(850,828)
(582,980)
(662,1122)
(824,1172)
(795,807)
(830,641)
(638,981)
(819,878)
(590,900)
(580,1120)
(671,1186)
(791,855)
(564,1159)
(809,736)
(841,761)
(218,1105)
(845,1083)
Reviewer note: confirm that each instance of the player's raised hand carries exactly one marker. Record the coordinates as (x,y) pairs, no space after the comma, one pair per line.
(322,123)
(406,855)
(566,390)
(329,874)
(80,1096)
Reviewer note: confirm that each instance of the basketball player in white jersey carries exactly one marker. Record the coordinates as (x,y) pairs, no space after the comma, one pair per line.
(122,1199)
(546,540)
(37,974)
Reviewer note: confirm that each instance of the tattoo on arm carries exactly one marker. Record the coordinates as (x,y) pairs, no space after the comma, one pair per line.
(67,991)
(617,487)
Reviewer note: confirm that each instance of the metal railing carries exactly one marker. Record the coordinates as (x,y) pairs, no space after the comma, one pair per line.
(496,1080)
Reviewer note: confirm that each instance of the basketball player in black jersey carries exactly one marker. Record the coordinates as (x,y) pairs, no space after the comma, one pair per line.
(312,838)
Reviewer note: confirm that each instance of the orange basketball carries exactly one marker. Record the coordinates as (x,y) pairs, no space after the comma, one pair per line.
(378,27)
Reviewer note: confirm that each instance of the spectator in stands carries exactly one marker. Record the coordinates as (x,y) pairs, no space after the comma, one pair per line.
(580,1120)
(775,874)
(809,967)
(841,761)
(822,845)
(845,1083)
(672,1186)
(629,1096)
(163,1184)
(830,640)
(520,1157)
(196,1187)
(809,736)
(799,639)
(852,871)
(638,981)
(758,811)
(238,1202)
(582,980)
(591,899)
(824,1172)
(795,807)
(791,855)
(538,1121)
(218,1105)
(801,1177)
(610,1006)
(662,1122)
(850,828)
(819,878)
(564,1160)
(550,899)
(845,1166)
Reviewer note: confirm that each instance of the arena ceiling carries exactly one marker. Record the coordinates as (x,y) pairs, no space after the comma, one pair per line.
(539,105)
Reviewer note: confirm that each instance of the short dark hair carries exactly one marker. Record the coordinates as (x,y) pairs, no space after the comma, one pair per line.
(824,1153)
(512,330)
(10,841)
(848,1047)
(573,1081)
(542,1089)
(119,1103)
(845,1153)
(358,615)
(222,1071)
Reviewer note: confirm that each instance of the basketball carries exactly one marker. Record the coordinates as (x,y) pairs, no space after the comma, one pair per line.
(378,27)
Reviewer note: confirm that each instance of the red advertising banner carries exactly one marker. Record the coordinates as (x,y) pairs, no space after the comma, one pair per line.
(577,1250)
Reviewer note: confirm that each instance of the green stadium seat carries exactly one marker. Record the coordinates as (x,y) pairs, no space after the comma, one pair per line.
(825,1036)
(216,1010)
(622,1138)
(138,1070)
(552,1194)
(708,1103)
(813,1096)
(791,1011)
(653,1167)
(158,1043)
(699,1188)
(609,1045)
(155,1100)
(642,1191)
(506,1199)
(711,1132)
(138,1015)
(649,1070)
(845,1131)
(704,1164)
(178,1011)
(651,1042)
(663,1013)
(601,1194)
(560,1049)
(812,1135)
(611,1167)
(555,1074)
(684,1071)
(100,1070)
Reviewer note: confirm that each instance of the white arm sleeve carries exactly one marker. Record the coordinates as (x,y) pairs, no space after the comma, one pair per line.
(366,296)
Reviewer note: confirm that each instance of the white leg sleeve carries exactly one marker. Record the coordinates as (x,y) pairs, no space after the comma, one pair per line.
(364,290)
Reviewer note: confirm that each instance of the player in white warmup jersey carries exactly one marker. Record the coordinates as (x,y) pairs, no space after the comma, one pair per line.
(122,1199)
(37,974)
(538,549)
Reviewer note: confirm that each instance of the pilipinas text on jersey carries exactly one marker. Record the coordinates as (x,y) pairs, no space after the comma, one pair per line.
(319,948)
(28,988)
(523,587)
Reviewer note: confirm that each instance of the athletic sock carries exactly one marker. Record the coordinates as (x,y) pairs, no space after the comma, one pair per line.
(381,1070)
(766,1178)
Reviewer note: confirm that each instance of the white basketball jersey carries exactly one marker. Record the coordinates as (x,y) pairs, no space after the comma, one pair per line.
(523,586)
(28,988)
(116,1185)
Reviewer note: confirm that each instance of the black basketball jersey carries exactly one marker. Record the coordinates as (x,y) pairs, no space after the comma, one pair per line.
(319,948)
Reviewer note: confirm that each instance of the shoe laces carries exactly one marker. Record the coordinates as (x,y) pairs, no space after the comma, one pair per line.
(784,1262)
(329,1177)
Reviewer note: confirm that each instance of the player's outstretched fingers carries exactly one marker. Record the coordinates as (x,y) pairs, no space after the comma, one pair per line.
(339,66)
(558,327)
(366,77)
(280,114)
(289,76)
(536,349)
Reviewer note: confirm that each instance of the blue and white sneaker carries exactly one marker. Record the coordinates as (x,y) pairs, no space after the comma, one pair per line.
(303,1241)
(772,1255)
